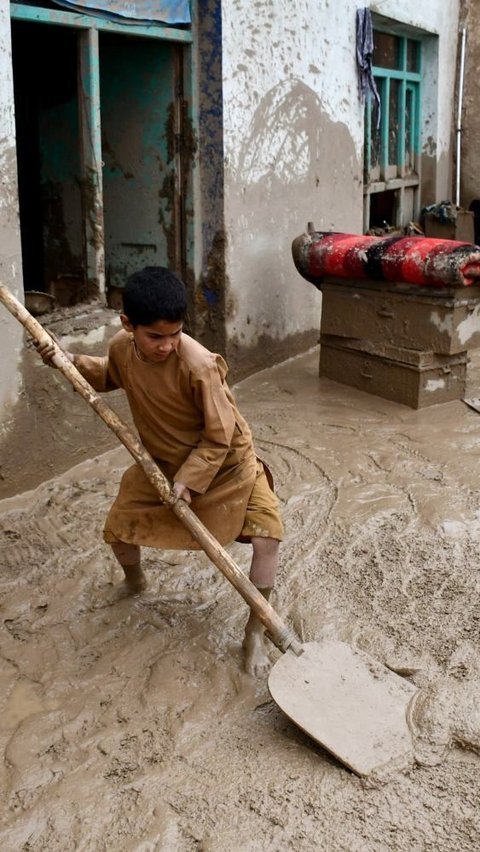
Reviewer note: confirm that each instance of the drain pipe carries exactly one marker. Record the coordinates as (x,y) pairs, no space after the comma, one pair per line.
(459,114)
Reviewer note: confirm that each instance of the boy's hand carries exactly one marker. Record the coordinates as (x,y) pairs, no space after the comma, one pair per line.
(180,490)
(47,350)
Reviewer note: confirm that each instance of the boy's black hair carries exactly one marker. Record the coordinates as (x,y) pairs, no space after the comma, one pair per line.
(154,293)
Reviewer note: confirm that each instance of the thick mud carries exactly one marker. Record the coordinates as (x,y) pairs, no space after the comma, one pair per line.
(128,724)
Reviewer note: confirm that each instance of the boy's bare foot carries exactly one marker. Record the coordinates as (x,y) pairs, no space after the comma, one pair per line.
(135,579)
(255,655)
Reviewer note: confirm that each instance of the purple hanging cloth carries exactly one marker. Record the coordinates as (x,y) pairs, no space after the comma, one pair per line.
(364,58)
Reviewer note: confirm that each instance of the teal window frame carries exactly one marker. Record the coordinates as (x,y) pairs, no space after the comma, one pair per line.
(409,82)
(84,21)
(380,173)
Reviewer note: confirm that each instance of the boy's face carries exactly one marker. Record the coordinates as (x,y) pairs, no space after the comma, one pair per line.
(157,341)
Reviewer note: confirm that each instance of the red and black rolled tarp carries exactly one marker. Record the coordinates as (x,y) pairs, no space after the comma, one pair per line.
(418,260)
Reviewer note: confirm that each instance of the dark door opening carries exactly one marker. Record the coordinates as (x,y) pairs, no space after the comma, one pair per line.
(143,210)
(48,162)
(140,113)
(383,209)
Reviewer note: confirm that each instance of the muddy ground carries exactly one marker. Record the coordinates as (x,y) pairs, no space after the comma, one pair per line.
(127,724)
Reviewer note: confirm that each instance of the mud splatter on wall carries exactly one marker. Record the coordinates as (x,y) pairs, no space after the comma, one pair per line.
(212,275)
(293,140)
(278,141)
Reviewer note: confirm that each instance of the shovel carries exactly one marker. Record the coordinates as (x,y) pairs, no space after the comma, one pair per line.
(352,705)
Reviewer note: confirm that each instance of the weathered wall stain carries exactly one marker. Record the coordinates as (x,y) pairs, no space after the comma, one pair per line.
(294,143)
(292,165)
(470,119)
(244,360)
(211,279)
(60,256)
(284,137)
(210,299)
(280,134)
(166,216)
(114,162)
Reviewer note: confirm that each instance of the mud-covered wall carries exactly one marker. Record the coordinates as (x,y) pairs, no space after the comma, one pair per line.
(279,143)
(293,142)
(439,21)
(10,249)
(470,150)
(210,267)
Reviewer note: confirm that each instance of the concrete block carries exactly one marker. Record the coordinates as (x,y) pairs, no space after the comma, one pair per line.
(411,377)
(462,229)
(443,325)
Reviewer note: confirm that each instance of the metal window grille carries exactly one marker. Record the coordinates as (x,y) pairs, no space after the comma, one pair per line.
(391,161)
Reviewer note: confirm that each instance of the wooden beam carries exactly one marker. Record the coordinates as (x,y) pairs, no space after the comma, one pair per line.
(91,159)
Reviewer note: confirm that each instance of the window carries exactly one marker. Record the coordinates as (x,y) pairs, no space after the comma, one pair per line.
(392,163)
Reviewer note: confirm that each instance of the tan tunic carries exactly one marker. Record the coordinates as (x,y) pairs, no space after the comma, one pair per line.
(187,419)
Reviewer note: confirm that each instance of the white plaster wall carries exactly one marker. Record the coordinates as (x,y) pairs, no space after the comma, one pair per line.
(11,334)
(284,61)
(470,118)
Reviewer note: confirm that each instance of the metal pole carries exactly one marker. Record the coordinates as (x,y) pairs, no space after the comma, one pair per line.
(91,159)
(459,115)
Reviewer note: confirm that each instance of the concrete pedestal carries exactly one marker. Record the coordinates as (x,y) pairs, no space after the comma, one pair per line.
(402,344)
(414,321)
(410,377)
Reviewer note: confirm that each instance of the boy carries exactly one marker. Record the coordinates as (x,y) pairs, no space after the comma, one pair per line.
(187,419)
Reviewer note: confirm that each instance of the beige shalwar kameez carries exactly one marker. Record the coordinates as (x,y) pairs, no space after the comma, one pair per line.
(188,421)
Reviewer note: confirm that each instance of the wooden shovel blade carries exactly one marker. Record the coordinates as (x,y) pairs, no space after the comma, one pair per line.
(473,403)
(347,701)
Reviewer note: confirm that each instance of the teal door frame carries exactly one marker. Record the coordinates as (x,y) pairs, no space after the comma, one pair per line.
(93,236)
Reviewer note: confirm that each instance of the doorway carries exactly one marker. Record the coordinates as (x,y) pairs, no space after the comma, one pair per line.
(143,207)
(140,204)
(48,164)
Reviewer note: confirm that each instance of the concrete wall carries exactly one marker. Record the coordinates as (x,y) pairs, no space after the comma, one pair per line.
(10,251)
(293,146)
(470,150)
(210,270)
(280,143)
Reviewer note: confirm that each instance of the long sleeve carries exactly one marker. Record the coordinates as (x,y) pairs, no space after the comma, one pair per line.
(98,371)
(205,460)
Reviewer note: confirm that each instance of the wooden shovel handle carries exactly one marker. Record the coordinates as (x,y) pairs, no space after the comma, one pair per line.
(278,631)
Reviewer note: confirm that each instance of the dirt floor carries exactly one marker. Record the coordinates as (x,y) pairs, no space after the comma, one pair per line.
(127,724)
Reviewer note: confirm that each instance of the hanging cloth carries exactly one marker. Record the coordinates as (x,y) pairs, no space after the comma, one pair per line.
(364,45)
(140,11)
